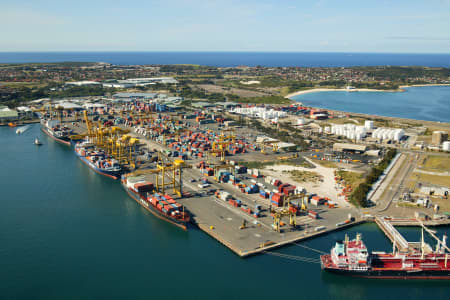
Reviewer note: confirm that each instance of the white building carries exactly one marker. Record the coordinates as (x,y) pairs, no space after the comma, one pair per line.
(83,83)
(24,112)
(260,112)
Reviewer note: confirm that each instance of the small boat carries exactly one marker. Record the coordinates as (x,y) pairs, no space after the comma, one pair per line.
(37,142)
(12,124)
(22,129)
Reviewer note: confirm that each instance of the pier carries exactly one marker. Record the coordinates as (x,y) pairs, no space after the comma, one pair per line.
(389,230)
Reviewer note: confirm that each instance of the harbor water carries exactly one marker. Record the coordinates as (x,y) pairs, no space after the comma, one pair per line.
(67,232)
(430,103)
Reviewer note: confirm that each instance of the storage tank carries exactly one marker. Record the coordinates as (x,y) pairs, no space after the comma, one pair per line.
(368,125)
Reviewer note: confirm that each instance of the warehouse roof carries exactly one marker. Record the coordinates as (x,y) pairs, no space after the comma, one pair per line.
(347,146)
(8,113)
(135,95)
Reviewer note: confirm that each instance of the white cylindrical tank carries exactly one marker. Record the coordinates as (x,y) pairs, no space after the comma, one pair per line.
(446,146)
(368,125)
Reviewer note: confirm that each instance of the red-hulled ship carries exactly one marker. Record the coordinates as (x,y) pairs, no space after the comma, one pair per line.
(162,206)
(352,258)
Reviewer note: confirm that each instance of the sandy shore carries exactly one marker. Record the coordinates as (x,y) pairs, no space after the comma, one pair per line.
(340,90)
(400,89)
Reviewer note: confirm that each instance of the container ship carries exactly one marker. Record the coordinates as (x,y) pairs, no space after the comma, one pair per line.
(351,258)
(98,160)
(162,206)
(57,132)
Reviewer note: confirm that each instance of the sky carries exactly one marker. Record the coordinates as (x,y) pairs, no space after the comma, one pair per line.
(228,25)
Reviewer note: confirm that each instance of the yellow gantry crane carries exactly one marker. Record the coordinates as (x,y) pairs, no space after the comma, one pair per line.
(287,211)
(167,167)
(274,146)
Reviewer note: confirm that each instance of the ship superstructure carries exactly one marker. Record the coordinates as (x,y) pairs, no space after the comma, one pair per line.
(351,257)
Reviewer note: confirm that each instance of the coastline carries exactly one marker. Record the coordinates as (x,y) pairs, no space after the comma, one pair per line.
(400,89)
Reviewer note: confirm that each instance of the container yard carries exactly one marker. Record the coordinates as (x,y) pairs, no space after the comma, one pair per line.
(193,169)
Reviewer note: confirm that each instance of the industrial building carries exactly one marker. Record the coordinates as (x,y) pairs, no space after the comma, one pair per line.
(341,147)
(438,137)
(118,85)
(7,114)
(24,112)
(127,97)
(260,112)
(83,83)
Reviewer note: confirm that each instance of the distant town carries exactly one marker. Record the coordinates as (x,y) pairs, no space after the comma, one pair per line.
(25,82)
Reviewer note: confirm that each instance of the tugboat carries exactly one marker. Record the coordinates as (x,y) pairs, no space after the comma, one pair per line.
(351,258)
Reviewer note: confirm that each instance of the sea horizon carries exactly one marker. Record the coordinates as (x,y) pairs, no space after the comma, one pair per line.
(233,58)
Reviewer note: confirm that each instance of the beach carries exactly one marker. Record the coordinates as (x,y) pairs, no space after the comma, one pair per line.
(400,89)
(340,90)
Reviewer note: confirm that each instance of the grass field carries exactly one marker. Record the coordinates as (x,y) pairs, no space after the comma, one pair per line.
(351,178)
(431,179)
(22,84)
(435,163)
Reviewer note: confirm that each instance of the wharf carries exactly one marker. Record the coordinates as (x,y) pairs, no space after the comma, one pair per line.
(222,221)
(389,230)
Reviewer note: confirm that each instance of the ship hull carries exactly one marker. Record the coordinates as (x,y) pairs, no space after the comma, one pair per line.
(113,175)
(154,211)
(391,273)
(65,142)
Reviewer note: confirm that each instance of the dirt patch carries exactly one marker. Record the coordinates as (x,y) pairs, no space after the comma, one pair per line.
(326,187)
(305,176)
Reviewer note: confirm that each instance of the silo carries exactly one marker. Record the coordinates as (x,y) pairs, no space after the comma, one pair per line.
(368,125)
(446,146)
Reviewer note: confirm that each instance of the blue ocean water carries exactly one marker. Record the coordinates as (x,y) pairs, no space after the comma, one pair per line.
(69,233)
(431,103)
(226,59)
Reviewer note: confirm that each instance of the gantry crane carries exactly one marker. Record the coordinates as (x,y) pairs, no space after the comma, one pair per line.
(166,166)
(274,146)
(286,210)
